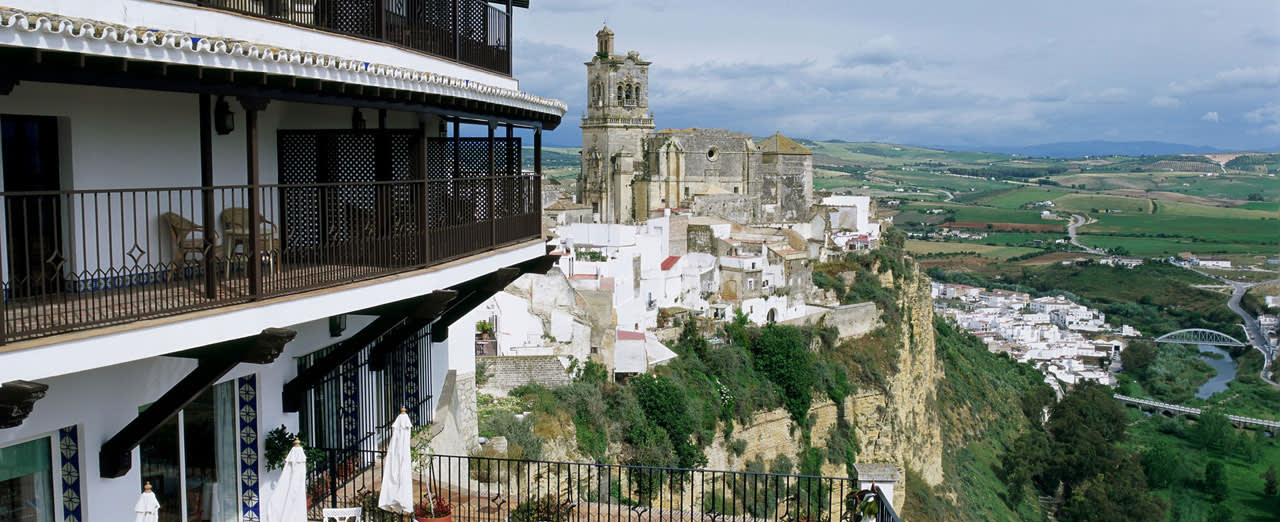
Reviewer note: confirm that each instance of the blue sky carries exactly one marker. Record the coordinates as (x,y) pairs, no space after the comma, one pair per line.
(983,72)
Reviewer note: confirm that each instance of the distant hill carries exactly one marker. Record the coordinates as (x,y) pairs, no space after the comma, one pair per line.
(1077,149)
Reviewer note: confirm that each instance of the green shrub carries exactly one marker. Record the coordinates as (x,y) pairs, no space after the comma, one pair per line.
(541,509)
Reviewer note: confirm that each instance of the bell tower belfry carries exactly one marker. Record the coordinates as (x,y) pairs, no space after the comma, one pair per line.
(617,120)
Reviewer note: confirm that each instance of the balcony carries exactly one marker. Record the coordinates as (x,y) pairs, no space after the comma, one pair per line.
(88,258)
(470,32)
(480,488)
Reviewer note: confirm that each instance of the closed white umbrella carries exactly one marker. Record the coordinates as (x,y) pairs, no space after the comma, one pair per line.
(289,501)
(397,469)
(148,508)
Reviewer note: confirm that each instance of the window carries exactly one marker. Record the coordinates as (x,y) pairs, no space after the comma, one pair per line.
(713,154)
(686,192)
(26,482)
(751,284)
(619,94)
(735,190)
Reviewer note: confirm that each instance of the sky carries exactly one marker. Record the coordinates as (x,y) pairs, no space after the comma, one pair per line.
(941,72)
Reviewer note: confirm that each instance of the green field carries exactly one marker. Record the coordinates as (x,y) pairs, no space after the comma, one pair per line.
(994,252)
(1018,197)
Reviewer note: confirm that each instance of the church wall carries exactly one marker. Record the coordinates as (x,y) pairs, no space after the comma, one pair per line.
(738,208)
(787,189)
(685,164)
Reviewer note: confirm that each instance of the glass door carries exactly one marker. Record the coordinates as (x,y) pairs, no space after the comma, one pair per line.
(26,482)
(191,460)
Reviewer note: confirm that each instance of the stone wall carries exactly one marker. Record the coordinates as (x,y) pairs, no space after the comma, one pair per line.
(509,372)
(852,320)
(738,208)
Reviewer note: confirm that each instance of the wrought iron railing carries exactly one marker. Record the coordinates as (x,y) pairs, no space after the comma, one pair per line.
(86,258)
(493,489)
(472,32)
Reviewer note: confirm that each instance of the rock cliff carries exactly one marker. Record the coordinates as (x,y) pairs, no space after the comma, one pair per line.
(897,424)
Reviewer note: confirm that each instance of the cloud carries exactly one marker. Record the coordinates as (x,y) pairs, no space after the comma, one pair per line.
(1268,116)
(942,74)
(1210,116)
(1266,77)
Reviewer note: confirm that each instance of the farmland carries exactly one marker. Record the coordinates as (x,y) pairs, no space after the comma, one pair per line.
(1149,206)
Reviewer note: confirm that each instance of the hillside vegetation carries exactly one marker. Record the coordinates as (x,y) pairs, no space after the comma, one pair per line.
(986,402)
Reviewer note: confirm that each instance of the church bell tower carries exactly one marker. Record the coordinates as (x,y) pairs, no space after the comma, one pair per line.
(616,122)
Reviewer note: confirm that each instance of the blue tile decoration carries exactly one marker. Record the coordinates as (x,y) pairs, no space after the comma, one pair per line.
(350,408)
(247,389)
(69,467)
(411,373)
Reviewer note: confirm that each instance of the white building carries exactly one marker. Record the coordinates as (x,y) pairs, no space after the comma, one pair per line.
(1214,262)
(330,227)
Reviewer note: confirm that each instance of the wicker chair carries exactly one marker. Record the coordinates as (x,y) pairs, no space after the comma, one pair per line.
(235,226)
(188,240)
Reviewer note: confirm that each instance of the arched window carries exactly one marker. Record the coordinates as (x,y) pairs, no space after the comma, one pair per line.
(628,93)
(619,94)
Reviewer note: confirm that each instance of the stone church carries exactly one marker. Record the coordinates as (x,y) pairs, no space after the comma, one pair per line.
(630,172)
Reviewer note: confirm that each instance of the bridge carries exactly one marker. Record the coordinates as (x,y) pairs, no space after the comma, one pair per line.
(1174,410)
(1199,336)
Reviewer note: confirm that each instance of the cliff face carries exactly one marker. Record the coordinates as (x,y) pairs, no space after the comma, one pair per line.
(897,425)
(902,425)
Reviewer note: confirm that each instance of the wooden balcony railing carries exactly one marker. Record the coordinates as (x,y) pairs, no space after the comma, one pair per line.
(87,258)
(472,32)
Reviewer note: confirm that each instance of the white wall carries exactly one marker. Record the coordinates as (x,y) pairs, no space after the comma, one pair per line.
(104,400)
(157,337)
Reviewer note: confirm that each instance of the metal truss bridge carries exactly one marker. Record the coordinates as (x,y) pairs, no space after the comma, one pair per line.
(1199,336)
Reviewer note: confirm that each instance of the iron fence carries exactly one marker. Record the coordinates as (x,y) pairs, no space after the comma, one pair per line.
(472,32)
(87,258)
(493,489)
(355,405)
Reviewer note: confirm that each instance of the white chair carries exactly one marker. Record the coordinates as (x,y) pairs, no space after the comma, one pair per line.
(341,514)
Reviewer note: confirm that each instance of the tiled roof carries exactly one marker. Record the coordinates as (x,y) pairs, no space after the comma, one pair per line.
(669,262)
(779,144)
(624,335)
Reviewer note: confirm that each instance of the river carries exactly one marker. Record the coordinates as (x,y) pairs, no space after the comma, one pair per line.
(1225,366)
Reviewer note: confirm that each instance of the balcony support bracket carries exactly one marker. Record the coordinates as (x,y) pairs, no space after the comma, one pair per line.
(420,318)
(17,399)
(216,360)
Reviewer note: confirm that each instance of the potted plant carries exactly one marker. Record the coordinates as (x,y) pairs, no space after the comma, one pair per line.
(437,510)
(541,509)
(484,329)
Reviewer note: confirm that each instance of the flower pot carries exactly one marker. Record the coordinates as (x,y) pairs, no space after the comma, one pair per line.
(446,518)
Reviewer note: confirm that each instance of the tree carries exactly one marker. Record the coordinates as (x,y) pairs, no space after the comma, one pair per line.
(1269,481)
(1035,400)
(1162,465)
(1119,494)
(1221,513)
(1213,431)
(1215,480)
(1120,251)
(1025,464)
(1138,357)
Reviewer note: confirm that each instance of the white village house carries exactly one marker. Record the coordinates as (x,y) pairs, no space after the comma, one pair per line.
(248,214)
